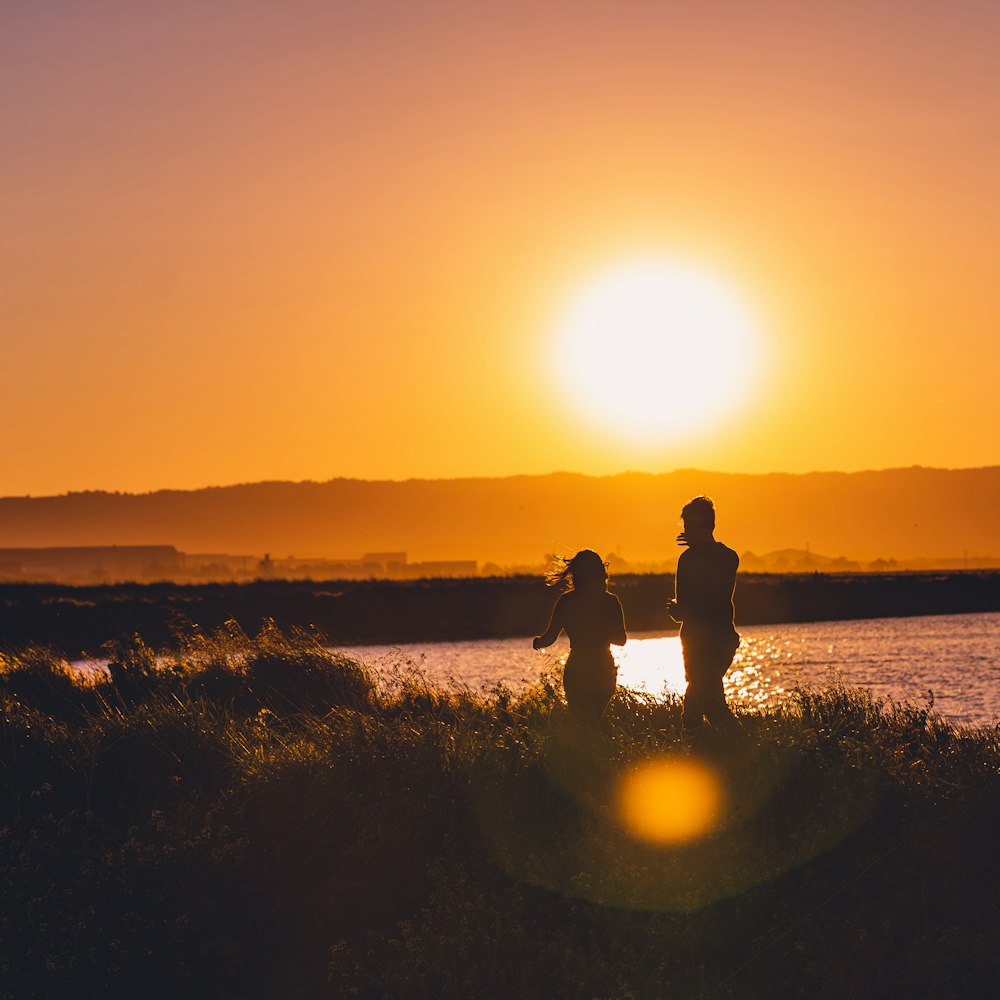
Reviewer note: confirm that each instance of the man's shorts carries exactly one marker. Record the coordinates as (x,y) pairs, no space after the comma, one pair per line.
(707,653)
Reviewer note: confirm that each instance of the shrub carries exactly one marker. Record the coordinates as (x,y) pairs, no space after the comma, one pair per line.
(257,816)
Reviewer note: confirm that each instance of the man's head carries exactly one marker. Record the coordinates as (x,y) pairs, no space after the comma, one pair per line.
(698,516)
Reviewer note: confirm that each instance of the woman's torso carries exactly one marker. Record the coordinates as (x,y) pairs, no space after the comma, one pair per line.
(591,620)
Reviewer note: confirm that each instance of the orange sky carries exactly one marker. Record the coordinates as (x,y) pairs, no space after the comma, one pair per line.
(249,241)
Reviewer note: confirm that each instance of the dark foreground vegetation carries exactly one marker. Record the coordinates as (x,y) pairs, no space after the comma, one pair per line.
(258,818)
(77,620)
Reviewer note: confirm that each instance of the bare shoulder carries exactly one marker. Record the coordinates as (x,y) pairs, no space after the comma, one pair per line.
(730,555)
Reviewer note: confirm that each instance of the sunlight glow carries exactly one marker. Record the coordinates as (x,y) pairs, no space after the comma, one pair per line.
(656,350)
(670,801)
(757,680)
(654,665)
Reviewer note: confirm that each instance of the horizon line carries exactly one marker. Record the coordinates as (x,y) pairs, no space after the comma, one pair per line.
(458,479)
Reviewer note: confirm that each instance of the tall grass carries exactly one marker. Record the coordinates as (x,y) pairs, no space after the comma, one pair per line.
(256,816)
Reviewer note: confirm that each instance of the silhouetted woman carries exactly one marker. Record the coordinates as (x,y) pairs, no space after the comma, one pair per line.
(593,620)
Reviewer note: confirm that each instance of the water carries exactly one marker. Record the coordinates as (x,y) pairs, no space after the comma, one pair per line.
(955,656)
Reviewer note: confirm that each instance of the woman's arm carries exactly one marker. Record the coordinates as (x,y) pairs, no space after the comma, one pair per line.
(551,633)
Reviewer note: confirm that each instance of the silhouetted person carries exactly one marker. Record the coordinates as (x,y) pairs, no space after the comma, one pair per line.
(703,604)
(593,620)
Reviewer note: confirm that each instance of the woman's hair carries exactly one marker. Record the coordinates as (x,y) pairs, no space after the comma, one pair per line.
(585,567)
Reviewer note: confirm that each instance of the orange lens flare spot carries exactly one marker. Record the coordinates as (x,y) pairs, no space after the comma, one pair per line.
(670,801)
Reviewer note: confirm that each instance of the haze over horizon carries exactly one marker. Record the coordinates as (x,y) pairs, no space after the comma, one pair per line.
(256,241)
(901,514)
(515,475)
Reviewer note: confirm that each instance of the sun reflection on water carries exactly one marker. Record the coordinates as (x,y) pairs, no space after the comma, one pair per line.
(656,665)
(754,679)
(898,658)
(651,664)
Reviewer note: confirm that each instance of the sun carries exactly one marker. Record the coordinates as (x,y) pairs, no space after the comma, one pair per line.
(655,350)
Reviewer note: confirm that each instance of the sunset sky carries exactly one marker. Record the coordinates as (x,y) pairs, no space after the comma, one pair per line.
(260,240)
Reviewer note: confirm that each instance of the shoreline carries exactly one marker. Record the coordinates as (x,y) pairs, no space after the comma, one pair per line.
(78,620)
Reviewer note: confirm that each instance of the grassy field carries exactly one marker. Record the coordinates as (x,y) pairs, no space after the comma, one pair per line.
(255,817)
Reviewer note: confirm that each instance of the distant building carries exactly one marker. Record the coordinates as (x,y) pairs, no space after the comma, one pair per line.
(389,562)
(92,563)
(445,567)
(218,566)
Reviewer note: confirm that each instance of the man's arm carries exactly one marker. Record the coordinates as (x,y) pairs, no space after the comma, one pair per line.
(675,606)
(733,570)
(618,636)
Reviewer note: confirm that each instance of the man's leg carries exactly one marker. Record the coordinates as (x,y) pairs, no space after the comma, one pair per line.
(705,666)
(715,707)
(692,716)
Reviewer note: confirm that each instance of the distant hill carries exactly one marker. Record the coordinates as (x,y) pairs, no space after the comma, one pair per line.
(896,513)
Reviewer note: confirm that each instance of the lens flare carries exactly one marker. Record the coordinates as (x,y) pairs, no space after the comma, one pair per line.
(670,800)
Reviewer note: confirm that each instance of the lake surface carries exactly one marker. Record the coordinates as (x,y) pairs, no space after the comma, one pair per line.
(955,656)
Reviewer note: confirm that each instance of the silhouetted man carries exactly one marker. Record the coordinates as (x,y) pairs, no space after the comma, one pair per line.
(703,603)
